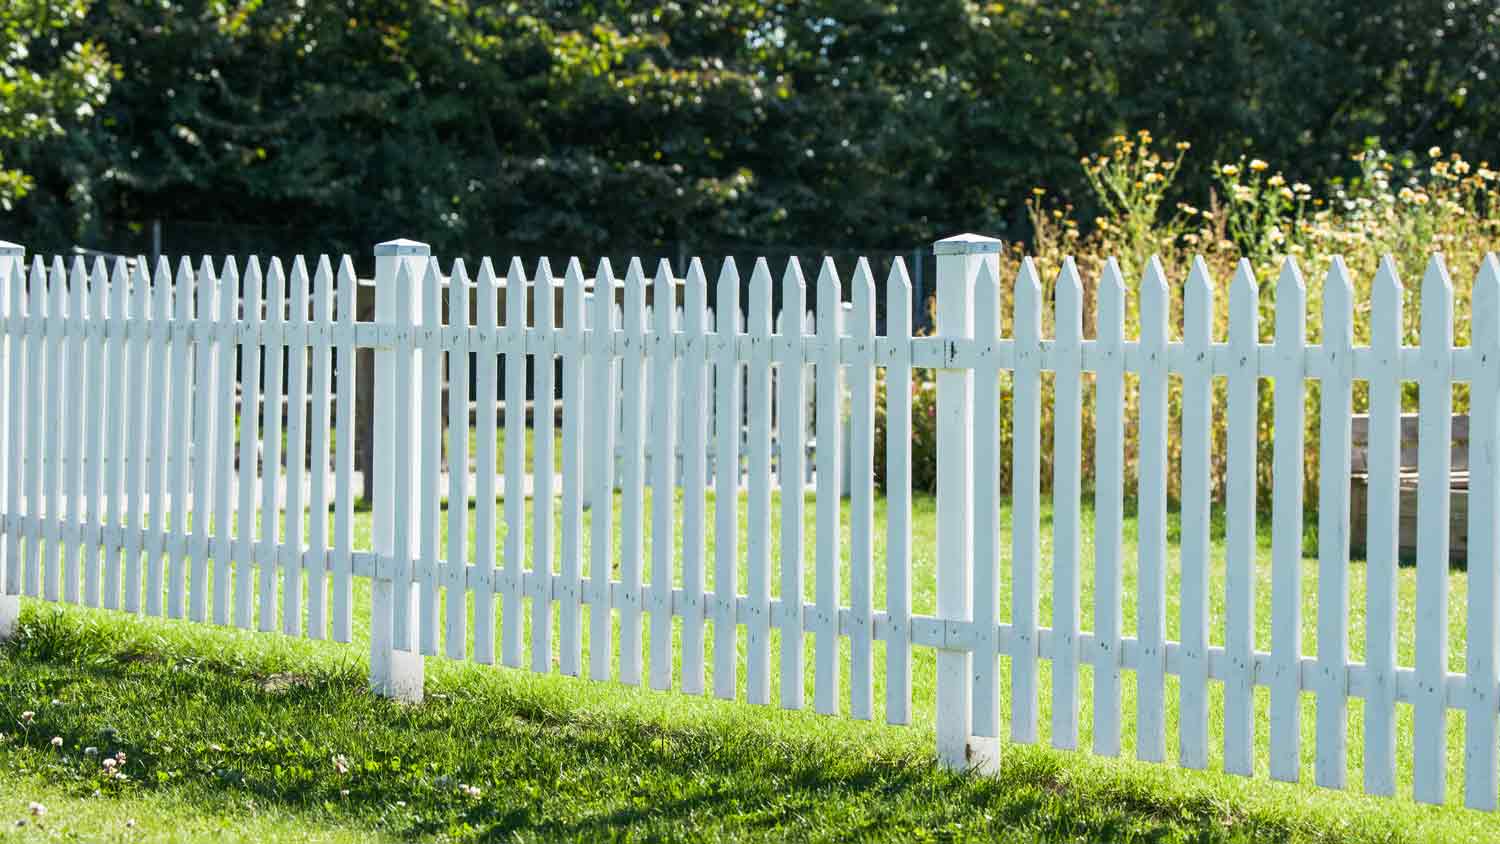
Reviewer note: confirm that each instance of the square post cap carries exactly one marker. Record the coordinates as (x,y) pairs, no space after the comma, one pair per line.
(967,244)
(402,247)
(11,250)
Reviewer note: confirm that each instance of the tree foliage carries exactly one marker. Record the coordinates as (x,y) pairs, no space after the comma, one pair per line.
(44,80)
(599,124)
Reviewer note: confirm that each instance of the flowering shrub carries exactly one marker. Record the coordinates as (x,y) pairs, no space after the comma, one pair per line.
(1407,206)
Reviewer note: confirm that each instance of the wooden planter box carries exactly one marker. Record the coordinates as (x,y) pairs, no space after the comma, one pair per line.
(1406,532)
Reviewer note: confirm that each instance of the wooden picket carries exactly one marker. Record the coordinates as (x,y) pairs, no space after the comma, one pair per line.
(144,467)
(1151,496)
(1109,490)
(1067,494)
(758,488)
(1336,398)
(1384,450)
(1197,411)
(1286,525)
(1239,524)
(1434,460)
(792,420)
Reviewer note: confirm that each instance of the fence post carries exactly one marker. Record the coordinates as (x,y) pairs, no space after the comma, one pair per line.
(958,262)
(12,257)
(395,666)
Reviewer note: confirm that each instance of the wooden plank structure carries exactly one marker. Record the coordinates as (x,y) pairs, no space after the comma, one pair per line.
(1407,479)
(189,501)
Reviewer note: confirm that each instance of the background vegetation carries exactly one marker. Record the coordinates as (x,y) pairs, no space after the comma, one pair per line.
(619,124)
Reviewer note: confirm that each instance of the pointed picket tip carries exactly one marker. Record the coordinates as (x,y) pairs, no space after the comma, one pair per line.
(793,296)
(1337,285)
(182,289)
(487,272)
(432,279)
(299,269)
(1436,307)
(1435,278)
(634,302)
(276,277)
(1487,281)
(253,270)
(325,267)
(697,280)
(1387,285)
(459,275)
(695,298)
(635,274)
(1112,279)
(792,280)
(58,287)
(120,273)
(1068,307)
(1154,279)
(1026,277)
(99,270)
(828,277)
(229,271)
(863,284)
(1291,304)
(729,282)
(760,298)
(346,266)
(1244,280)
(208,284)
(1290,278)
(1200,277)
(403,277)
(898,280)
(229,290)
(78,279)
(1068,280)
(543,274)
(665,280)
(1485,320)
(760,282)
(515,272)
(987,303)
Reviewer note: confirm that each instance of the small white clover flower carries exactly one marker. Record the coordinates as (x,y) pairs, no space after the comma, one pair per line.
(27,716)
(37,810)
(57,741)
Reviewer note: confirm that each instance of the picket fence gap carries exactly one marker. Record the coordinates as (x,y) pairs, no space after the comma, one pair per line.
(142,468)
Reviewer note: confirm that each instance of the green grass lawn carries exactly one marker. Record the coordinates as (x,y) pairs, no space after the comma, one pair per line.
(258,736)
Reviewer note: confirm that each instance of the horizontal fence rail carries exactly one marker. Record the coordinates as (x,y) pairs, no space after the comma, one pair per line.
(179,441)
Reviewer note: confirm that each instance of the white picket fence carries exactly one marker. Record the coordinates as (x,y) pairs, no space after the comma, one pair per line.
(110,377)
